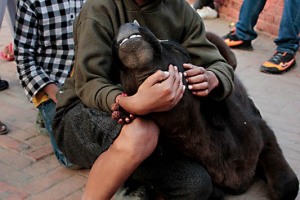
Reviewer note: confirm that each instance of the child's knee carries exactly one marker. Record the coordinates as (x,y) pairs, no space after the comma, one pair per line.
(138,139)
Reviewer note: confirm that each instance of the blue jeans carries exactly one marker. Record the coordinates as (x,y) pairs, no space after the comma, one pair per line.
(47,110)
(287,39)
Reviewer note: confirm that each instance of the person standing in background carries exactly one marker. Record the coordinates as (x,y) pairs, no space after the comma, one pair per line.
(44,53)
(7,7)
(7,53)
(287,41)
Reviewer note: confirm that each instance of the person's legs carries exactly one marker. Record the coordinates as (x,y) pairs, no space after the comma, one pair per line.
(174,176)
(11,12)
(3,4)
(47,110)
(288,37)
(248,17)
(244,33)
(134,144)
(91,138)
(287,41)
(40,125)
(9,8)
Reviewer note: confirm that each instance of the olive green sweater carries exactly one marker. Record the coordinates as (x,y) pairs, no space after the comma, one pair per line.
(94,79)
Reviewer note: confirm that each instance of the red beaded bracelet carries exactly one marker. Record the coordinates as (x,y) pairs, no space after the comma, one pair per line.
(119,114)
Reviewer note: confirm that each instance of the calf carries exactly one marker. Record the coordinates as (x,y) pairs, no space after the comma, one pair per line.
(229,137)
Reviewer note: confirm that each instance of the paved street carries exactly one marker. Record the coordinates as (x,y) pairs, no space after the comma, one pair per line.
(29,170)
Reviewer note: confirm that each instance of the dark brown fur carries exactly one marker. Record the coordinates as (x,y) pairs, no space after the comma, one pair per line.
(228,137)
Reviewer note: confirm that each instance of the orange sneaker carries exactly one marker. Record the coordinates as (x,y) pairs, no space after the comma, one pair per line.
(279,63)
(232,40)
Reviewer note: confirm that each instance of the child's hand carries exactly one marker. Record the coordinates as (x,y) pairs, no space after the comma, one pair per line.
(160,92)
(200,81)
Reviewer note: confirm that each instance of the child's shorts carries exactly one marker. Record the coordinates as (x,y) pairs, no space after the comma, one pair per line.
(83,133)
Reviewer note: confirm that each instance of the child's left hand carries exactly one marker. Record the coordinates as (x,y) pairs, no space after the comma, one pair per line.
(200,81)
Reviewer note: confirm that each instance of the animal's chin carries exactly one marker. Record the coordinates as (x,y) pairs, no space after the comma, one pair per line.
(135,52)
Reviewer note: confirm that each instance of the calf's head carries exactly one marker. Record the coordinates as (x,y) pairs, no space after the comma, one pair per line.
(141,54)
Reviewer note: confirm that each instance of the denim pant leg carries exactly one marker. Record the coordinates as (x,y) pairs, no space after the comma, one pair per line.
(248,17)
(288,37)
(47,110)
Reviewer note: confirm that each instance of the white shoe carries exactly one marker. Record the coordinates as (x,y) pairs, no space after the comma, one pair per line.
(207,13)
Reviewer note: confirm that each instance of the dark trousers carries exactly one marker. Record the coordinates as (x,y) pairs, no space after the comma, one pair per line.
(200,3)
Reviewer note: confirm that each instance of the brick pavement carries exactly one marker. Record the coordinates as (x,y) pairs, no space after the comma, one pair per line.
(29,170)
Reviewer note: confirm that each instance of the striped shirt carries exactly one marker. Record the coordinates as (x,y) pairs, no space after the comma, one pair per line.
(44,46)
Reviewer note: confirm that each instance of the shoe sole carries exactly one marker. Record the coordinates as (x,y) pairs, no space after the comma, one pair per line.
(262,69)
(247,48)
(239,44)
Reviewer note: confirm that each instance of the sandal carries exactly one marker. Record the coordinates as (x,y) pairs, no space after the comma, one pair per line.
(3,128)
(8,53)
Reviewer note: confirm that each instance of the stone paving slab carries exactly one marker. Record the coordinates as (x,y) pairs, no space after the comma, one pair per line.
(29,170)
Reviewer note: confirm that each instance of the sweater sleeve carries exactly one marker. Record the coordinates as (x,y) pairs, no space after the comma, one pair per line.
(31,74)
(224,73)
(93,66)
(205,54)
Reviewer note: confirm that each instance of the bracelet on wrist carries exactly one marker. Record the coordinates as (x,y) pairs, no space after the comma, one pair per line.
(120,114)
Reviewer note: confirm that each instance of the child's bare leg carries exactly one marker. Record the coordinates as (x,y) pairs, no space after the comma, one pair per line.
(135,143)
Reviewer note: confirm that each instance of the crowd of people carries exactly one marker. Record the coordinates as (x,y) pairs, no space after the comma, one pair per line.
(66,69)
